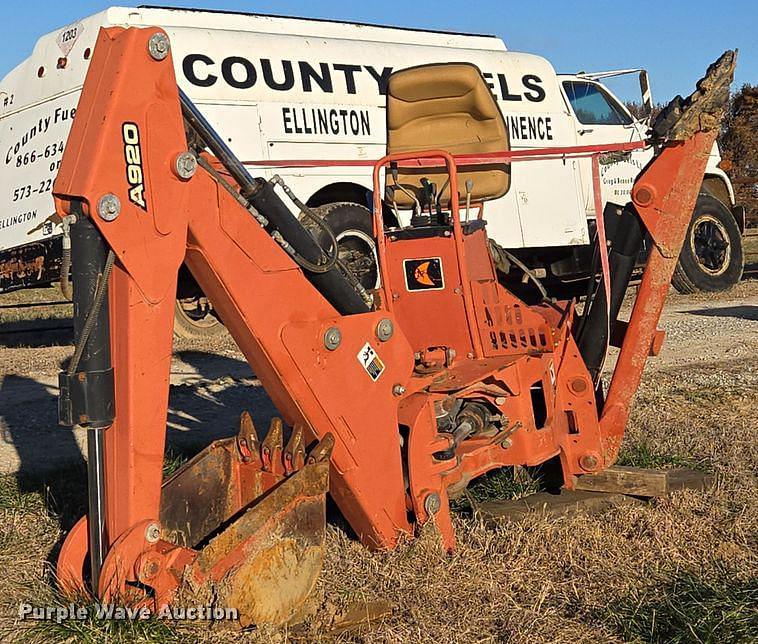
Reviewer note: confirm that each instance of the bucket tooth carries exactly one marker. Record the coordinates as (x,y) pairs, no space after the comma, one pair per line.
(294,453)
(271,448)
(322,450)
(247,441)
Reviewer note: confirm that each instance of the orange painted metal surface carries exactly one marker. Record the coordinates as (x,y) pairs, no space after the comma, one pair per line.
(664,195)
(469,345)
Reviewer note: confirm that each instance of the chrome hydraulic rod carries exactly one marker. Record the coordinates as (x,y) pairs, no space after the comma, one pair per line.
(282,224)
(86,386)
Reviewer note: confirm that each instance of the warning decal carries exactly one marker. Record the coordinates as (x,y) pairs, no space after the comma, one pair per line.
(370,362)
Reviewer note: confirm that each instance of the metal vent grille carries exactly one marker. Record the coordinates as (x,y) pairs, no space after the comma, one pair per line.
(508,327)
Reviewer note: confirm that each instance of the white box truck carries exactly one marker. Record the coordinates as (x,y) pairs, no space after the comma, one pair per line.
(282,90)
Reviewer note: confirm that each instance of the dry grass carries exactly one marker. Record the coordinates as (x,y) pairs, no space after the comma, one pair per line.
(679,569)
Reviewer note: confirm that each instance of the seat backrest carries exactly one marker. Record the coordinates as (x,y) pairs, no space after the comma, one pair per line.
(446,106)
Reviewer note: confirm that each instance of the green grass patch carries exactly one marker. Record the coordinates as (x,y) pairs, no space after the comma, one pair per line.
(643,454)
(172,461)
(709,395)
(14,499)
(688,608)
(506,483)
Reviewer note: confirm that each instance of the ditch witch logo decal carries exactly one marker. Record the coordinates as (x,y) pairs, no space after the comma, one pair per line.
(424,274)
(133,157)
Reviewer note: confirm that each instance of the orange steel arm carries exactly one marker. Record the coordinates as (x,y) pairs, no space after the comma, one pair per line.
(275,315)
(664,196)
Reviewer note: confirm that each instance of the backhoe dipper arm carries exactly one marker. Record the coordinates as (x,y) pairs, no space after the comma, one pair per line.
(123,167)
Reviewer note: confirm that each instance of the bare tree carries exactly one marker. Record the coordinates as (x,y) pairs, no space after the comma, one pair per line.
(739,146)
(638,109)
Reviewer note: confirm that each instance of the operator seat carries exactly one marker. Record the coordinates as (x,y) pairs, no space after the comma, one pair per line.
(446,106)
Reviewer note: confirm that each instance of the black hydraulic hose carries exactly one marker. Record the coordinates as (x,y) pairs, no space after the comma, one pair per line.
(593,338)
(282,224)
(210,138)
(333,285)
(66,289)
(94,311)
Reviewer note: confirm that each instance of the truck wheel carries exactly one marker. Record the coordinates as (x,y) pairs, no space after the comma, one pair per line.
(353,229)
(194,319)
(711,259)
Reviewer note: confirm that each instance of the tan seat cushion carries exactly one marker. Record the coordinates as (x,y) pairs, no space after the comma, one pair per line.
(446,106)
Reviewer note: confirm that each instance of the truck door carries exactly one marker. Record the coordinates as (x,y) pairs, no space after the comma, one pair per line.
(601,119)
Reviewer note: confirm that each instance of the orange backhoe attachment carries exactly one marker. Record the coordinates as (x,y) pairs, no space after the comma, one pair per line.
(395,400)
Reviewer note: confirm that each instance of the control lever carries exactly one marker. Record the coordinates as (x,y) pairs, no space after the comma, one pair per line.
(427,194)
(469,190)
(406,192)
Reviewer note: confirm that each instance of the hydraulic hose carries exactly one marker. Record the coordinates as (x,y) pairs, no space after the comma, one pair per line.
(281,224)
(593,336)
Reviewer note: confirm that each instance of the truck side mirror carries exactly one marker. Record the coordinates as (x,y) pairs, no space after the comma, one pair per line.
(647,97)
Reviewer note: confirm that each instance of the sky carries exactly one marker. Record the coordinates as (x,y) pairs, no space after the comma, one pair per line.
(674,40)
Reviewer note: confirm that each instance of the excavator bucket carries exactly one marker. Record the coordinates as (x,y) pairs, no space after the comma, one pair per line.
(242,520)
(266,562)
(259,526)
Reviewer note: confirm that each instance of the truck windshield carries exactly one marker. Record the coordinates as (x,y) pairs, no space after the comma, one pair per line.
(592,106)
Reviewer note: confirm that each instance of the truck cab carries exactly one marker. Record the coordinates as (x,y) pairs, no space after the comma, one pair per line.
(712,256)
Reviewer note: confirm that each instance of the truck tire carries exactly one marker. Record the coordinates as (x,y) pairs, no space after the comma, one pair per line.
(193,320)
(352,227)
(711,259)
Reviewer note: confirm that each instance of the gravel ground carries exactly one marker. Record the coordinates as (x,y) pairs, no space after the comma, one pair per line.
(702,328)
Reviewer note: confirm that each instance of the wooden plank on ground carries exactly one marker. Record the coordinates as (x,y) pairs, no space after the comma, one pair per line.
(625,480)
(567,502)
(686,479)
(642,482)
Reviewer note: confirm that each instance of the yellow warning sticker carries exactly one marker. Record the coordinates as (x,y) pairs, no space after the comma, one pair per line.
(370,361)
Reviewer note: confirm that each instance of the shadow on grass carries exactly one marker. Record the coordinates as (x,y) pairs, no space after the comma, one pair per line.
(688,608)
(49,332)
(507,484)
(741,312)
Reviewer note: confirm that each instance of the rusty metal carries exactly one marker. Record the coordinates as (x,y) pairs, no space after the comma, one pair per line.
(322,451)
(210,476)
(271,448)
(268,560)
(259,548)
(294,452)
(247,440)
(28,265)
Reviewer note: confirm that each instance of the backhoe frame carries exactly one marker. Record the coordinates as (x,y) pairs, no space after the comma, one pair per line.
(385,469)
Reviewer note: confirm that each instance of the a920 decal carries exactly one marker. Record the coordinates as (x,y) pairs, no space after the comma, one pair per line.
(133,157)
